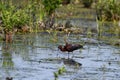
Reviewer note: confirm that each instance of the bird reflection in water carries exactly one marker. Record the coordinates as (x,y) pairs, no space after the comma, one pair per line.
(7,63)
(9,78)
(71,62)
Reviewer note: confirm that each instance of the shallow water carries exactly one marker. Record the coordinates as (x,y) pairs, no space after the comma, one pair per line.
(36,57)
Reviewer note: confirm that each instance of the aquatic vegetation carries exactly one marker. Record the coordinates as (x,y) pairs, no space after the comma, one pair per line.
(11,19)
(108,10)
(7,63)
(65,2)
(37,11)
(50,5)
(53,35)
(32,12)
(109,32)
(59,72)
(11,16)
(55,74)
(108,15)
(87,3)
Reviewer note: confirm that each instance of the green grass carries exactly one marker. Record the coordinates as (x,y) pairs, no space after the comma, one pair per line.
(75,11)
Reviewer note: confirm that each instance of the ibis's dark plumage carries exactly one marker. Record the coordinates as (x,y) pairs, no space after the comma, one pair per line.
(69,47)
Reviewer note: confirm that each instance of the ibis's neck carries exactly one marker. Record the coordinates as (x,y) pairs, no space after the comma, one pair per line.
(62,49)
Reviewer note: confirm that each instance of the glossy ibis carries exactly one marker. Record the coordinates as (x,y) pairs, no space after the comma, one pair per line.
(69,47)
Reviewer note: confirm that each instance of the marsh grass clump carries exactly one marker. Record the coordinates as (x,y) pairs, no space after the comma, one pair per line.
(17,15)
(11,16)
(87,3)
(109,32)
(59,72)
(108,10)
(55,75)
(50,5)
(7,63)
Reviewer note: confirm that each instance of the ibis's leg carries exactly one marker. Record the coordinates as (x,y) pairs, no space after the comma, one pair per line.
(68,55)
